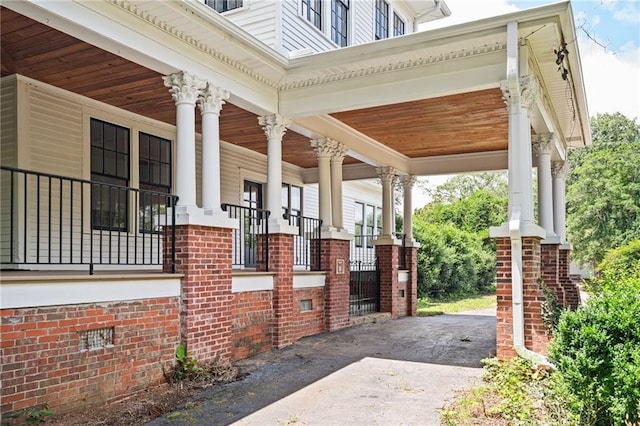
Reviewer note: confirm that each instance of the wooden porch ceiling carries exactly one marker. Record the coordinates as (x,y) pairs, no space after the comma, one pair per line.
(464,123)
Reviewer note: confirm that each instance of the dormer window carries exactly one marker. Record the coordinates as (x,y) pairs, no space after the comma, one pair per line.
(312,11)
(398,25)
(382,19)
(340,22)
(223,5)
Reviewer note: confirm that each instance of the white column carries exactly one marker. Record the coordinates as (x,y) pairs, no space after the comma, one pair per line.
(338,153)
(542,145)
(210,101)
(407,184)
(274,127)
(324,150)
(520,182)
(184,89)
(559,172)
(387,175)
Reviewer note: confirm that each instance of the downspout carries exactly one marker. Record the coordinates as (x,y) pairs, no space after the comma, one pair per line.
(515,229)
(517,296)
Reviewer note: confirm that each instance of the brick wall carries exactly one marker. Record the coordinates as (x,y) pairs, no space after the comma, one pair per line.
(307,323)
(336,300)
(281,263)
(388,260)
(570,287)
(42,362)
(550,275)
(402,299)
(504,315)
(536,337)
(412,289)
(252,323)
(203,255)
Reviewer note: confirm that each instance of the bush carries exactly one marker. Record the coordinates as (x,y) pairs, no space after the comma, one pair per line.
(597,349)
(452,262)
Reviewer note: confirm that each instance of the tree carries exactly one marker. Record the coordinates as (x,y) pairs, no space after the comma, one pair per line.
(603,189)
(462,186)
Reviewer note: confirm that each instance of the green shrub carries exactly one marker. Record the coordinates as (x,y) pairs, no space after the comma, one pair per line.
(597,350)
(452,263)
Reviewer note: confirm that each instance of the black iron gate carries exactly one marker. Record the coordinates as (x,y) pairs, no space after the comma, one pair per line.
(364,288)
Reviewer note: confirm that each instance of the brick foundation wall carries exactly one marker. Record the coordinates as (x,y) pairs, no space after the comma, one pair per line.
(336,296)
(252,323)
(42,362)
(402,299)
(203,255)
(388,260)
(307,323)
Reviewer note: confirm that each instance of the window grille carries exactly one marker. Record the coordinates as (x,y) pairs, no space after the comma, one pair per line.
(312,11)
(223,5)
(306,305)
(382,19)
(398,25)
(340,22)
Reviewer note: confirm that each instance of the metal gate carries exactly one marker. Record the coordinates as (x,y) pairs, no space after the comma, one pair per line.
(364,288)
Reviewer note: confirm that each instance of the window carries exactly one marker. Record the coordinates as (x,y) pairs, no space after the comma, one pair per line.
(223,5)
(155,175)
(382,19)
(339,22)
(291,200)
(312,11)
(368,223)
(109,165)
(398,25)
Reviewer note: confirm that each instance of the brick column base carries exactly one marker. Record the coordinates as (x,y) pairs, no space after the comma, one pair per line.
(335,262)
(550,275)
(281,263)
(535,334)
(203,255)
(412,285)
(388,262)
(571,290)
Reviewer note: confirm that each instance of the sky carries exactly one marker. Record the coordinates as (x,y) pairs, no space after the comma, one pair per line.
(610,66)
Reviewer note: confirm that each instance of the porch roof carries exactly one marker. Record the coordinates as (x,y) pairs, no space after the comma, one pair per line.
(424,103)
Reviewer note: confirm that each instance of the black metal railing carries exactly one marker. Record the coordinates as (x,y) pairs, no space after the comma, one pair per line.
(250,246)
(307,243)
(363,251)
(402,250)
(48,219)
(364,288)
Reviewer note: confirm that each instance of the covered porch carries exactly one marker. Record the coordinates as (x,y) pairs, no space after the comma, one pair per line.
(472,97)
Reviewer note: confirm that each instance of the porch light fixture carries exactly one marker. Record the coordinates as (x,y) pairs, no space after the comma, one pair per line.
(561,54)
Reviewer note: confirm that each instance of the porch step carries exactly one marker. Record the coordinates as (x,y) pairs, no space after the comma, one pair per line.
(370,318)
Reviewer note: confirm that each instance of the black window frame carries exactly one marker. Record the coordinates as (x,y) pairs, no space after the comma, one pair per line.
(340,22)
(381,20)
(155,168)
(312,12)
(398,25)
(222,6)
(116,176)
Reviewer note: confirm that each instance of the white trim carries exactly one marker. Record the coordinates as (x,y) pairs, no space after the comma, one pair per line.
(54,291)
(403,277)
(309,280)
(252,281)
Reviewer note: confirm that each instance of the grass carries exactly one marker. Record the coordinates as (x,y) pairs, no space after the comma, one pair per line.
(427,308)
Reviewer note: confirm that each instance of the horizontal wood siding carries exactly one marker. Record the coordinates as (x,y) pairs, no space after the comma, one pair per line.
(298,34)
(363,22)
(8,157)
(258,19)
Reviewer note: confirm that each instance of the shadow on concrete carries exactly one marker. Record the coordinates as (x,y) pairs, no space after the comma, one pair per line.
(459,340)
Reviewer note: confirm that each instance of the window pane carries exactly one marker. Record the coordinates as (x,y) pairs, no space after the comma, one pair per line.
(109,138)
(96,133)
(296,198)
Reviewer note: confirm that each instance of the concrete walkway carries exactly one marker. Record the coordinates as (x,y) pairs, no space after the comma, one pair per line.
(391,373)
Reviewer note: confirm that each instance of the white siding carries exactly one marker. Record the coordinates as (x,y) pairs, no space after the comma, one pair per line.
(363,21)
(258,18)
(366,191)
(8,157)
(298,33)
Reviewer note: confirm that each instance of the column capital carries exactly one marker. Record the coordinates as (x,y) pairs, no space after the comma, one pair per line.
(542,143)
(408,181)
(339,151)
(324,147)
(559,169)
(528,92)
(274,125)
(212,98)
(386,174)
(184,87)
